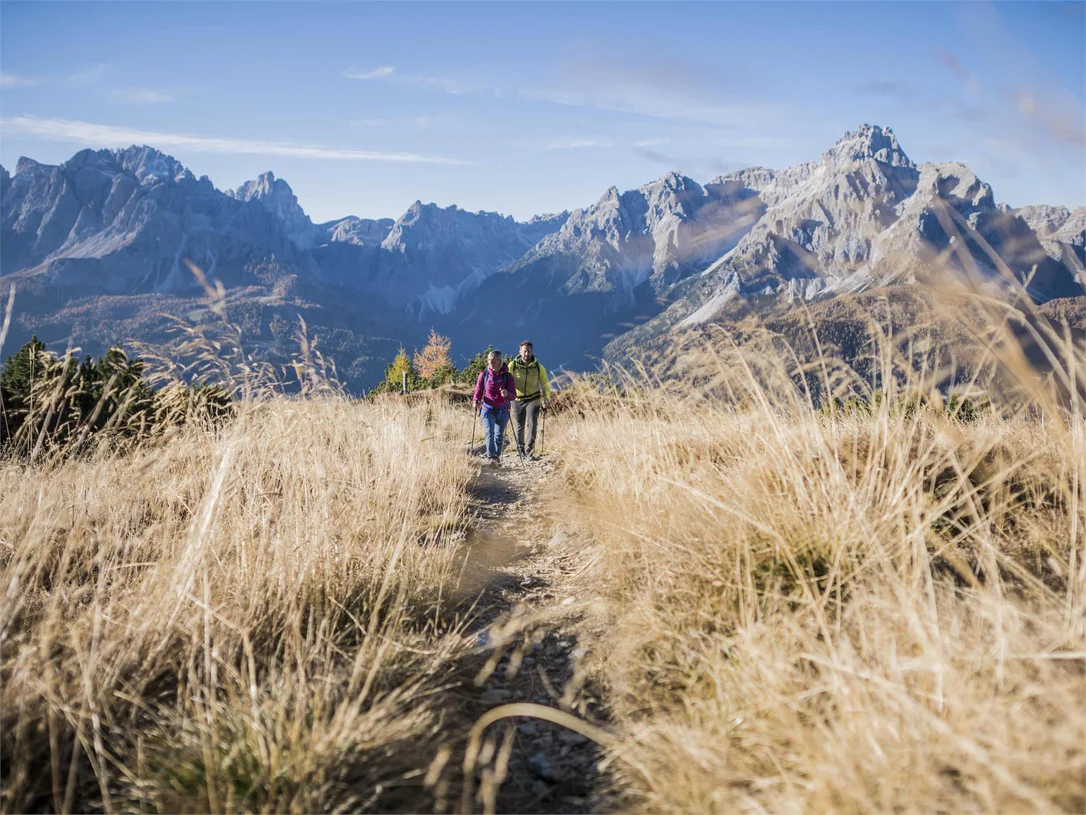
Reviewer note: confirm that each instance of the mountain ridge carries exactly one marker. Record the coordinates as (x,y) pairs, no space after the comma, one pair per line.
(632,265)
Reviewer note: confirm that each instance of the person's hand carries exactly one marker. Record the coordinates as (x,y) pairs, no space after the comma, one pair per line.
(505,393)
(475,403)
(543,403)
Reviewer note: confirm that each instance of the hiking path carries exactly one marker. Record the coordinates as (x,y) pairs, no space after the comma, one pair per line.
(524,556)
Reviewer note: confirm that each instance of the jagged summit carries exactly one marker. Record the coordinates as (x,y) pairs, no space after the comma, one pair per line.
(25,163)
(148,165)
(868,142)
(276,196)
(121,222)
(151,166)
(656,233)
(865,215)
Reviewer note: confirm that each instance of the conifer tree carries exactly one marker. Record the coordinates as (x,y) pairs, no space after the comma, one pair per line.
(394,373)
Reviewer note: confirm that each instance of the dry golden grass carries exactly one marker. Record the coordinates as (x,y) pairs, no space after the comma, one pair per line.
(856,611)
(252,618)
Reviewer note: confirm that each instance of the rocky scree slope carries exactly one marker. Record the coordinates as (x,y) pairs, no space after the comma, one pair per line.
(1062,232)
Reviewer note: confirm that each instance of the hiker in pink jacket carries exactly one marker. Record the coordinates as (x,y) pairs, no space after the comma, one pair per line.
(495,392)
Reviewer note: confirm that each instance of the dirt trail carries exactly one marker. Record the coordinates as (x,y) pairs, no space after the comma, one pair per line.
(521,550)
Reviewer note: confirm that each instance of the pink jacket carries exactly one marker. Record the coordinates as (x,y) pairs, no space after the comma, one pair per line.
(489,387)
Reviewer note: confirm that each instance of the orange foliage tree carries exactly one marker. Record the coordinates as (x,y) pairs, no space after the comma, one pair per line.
(433,362)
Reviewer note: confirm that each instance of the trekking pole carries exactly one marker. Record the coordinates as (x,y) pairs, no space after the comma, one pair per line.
(542,429)
(474,424)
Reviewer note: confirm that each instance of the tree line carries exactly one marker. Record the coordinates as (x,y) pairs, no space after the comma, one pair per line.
(431,367)
(50,403)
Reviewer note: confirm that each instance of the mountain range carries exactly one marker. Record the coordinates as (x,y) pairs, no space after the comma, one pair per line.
(102,247)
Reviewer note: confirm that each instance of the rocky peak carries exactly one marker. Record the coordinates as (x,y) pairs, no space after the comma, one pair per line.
(276,196)
(957,184)
(358,231)
(1042,218)
(268,190)
(148,165)
(676,181)
(25,164)
(612,195)
(539,227)
(869,142)
(673,194)
(754,178)
(547,218)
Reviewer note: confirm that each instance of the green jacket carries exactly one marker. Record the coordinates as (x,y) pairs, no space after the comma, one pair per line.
(531,379)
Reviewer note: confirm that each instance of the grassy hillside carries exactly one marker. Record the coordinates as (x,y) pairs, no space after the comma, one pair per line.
(781,603)
(861,613)
(255,618)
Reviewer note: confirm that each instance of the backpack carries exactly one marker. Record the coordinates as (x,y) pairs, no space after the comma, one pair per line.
(487,375)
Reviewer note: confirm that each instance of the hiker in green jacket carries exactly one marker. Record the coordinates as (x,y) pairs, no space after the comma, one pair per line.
(533,392)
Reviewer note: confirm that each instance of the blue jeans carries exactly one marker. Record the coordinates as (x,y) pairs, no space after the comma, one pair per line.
(494,424)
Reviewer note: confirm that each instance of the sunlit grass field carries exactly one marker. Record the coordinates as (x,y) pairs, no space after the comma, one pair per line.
(871,605)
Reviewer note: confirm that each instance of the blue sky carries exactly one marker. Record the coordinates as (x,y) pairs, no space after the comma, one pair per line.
(536,107)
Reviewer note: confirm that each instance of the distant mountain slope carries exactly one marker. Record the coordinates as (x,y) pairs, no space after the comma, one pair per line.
(276,196)
(864,215)
(622,274)
(99,246)
(1061,231)
(124,222)
(654,234)
(432,256)
(115,230)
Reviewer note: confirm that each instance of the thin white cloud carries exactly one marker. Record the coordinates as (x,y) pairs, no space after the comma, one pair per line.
(650,142)
(756,142)
(142,96)
(380,72)
(664,90)
(417,122)
(444,84)
(431,82)
(88,76)
(8,81)
(96,135)
(575,143)
(640,102)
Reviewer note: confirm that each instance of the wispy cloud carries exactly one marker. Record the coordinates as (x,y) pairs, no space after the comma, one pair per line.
(445,84)
(575,143)
(97,135)
(417,122)
(8,81)
(650,142)
(380,72)
(433,82)
(955,66)
(1061,119)
(88,76)
(676,89)
(708,163)
(142,96)
(1039,117)
(630,100)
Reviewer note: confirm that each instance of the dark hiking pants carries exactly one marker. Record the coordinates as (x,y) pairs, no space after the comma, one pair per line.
(525,413)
